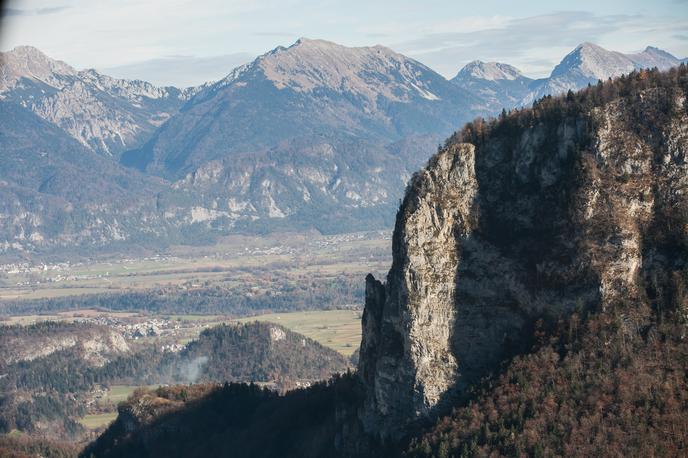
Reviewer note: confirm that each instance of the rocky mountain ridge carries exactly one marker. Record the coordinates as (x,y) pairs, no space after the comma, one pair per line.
(363,94)
(578,204)
(104,114)
(96,344)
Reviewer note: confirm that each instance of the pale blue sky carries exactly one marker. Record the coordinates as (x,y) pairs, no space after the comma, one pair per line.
(190,41)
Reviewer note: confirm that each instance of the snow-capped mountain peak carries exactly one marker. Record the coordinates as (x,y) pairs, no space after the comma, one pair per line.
(498,85)
(654,57)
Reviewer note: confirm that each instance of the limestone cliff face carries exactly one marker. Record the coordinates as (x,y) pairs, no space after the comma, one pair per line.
(571,208)
(408,324)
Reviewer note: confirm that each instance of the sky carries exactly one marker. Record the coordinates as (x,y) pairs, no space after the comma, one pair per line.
(188,42)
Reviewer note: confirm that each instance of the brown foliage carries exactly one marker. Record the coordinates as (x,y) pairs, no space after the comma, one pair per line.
(594,392)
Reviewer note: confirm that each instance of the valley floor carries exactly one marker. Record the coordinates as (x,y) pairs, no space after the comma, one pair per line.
(252,262)
(161,303)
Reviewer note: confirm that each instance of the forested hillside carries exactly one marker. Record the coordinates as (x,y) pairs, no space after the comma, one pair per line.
(66,365)
(284,295)
(609,389)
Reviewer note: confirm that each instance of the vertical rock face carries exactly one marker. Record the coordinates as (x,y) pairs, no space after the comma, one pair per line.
(575,208)
(408,324)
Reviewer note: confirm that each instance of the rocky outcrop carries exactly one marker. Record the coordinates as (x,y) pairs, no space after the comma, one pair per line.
(417,306)
(578,203)
(95,344)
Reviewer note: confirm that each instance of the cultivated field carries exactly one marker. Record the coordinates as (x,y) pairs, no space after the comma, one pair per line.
(98,420)
(337,329)
(119,393)
(234,262)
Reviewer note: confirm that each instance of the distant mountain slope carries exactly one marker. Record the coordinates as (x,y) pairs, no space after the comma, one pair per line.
(313,89)
(500,85)
(589,63)
(313,136)
(316,134)
(39,156)
(497,85)
(104,114)
(54,191)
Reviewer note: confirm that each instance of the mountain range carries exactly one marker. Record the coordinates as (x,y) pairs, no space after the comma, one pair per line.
(312,136)
(503,86)
(104,114)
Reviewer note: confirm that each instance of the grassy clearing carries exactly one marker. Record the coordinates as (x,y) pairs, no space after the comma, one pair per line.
(28,319)
(119,393)
(116,394)
(97,420)
(64,316)
(337,329)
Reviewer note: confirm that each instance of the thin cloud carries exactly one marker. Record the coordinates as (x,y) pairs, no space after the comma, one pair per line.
(377,35)
(12,12)
(518,35)
(34,12)
(52,10)
(180,70)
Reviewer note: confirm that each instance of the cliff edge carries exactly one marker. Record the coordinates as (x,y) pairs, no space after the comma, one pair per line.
(579,203)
